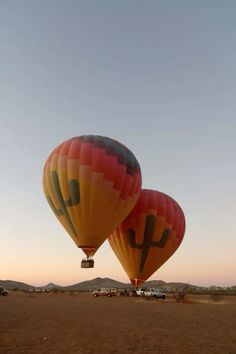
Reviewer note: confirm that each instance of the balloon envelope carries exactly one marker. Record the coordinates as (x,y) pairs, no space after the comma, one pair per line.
(91,183)
(149,235)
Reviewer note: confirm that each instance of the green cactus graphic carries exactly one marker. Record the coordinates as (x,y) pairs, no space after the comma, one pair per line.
(148,242)
(73,200)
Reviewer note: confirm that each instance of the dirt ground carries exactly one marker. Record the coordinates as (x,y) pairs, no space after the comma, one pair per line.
(82,324)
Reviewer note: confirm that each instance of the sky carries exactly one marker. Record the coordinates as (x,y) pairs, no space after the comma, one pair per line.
(158,76)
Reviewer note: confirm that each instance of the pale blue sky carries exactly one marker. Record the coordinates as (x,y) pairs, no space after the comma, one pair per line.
(160,77)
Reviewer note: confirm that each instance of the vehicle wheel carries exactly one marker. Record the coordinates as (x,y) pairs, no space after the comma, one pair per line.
(109,295)
(95,295)
(4,294)
(163,297)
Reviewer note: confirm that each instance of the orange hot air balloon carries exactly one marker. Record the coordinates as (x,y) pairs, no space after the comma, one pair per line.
(91,183)
(149,235)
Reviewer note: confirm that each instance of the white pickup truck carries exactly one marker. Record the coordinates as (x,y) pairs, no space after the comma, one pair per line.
(140,292)
(155,293)
(151,292)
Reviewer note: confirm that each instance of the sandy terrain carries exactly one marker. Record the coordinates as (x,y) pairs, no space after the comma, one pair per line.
(82,324)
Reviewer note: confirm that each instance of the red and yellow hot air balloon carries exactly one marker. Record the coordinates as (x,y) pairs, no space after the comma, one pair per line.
(91,183)
(149,235)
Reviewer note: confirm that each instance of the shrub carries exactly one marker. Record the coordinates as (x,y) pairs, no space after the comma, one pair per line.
(216,297)
(179,294)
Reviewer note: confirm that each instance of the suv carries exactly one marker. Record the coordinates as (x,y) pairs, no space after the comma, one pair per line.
(3,291)
(154,293)
(104,292)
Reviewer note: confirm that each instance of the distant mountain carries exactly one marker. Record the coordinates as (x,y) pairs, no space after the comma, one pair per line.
(96,283)
(51,286)
(11,284)
(155,283)
(104,283)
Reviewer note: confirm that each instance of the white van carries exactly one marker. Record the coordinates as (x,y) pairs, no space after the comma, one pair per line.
(154,293)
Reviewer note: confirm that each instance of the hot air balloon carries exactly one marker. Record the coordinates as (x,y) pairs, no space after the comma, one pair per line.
(149,235)
(91,183)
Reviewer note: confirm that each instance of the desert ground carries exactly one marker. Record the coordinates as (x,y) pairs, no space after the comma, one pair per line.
(62,323)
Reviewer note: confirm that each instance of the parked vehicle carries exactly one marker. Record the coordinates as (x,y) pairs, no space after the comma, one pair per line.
(104,292)
(140,292)
(154,293)
(124,292)
(39,290)
(3,291)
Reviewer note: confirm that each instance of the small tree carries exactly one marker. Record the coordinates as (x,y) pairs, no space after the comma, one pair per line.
(179,294)
(216,297)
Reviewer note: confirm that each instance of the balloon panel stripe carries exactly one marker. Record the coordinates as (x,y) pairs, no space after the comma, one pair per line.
(112,148)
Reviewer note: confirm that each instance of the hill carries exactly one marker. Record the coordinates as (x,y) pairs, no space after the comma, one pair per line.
(106,283)
(11,285)
(155,283)
(96,283)
(51,286)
